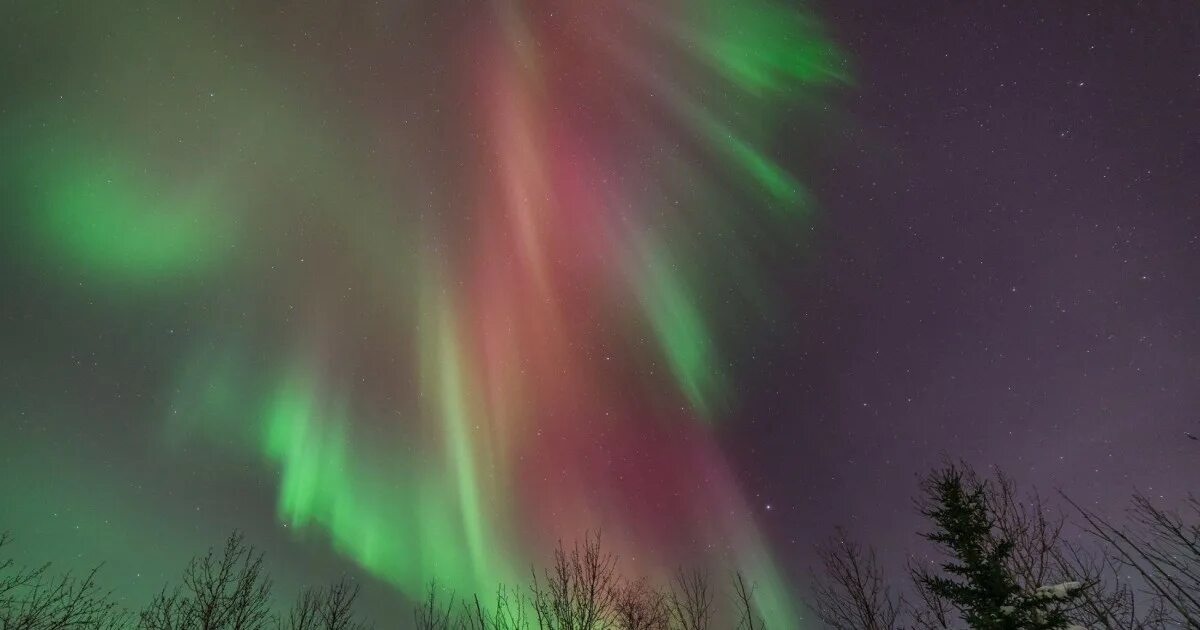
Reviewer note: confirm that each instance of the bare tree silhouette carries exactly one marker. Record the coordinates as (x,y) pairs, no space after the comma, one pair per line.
(580,591)
(1011,538)
(305,614)
(219,592)
(1111,604)
(431,614)
(743,601)
(690,601)
(509,612)
(30,599)
(851,593)
(929,611)
(1163,547)
(325,608)
(641,606)
(13,579)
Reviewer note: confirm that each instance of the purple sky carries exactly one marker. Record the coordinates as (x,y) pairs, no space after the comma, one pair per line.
(1010,271)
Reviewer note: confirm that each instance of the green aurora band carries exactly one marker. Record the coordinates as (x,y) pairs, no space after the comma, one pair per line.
(452,302)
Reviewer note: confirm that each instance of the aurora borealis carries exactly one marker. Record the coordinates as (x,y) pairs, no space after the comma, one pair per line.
(458,265)
(412,289)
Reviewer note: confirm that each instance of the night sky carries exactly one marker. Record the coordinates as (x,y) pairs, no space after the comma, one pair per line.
(411,289)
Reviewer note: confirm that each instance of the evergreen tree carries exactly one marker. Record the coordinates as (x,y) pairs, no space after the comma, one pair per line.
(976,579)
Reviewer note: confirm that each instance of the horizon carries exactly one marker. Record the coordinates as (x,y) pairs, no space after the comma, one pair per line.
(412,290)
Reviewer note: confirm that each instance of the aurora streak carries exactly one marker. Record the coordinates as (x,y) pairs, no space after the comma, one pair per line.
(462,299)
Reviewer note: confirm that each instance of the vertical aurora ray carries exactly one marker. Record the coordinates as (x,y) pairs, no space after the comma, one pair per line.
(678,324)
(460,295)
(463,454)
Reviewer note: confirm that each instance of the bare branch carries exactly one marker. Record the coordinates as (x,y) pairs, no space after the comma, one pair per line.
(431,614)
(743,600)
(691,600)
(220,592)
(580,591)
(850,593)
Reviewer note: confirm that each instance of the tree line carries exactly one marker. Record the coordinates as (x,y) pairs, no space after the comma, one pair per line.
(228,589)
(1001,560)
(1007,560)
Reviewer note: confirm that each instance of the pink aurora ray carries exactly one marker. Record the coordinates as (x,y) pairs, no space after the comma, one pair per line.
(502,325)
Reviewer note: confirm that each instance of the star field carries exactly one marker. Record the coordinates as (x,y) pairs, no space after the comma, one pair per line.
(407,290)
